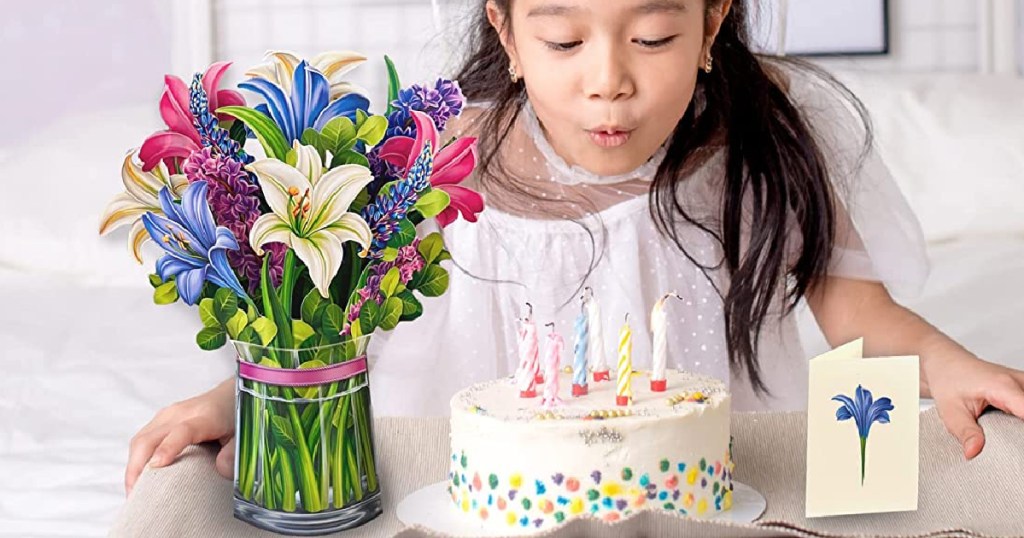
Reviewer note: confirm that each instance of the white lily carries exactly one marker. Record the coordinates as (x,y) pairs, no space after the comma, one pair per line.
(141,196)
(334,65)
(310,211)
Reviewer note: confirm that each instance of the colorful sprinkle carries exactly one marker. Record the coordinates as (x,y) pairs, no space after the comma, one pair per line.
(668,506)
(576,506)
(524,521)
(715,489)
(559,517)
(727,500)
(681,466)
(493,481)
(541,488)
(596,475)
(455,480)
(611,516)
(644,480)
(490,500)
(501,504)
(627,473)
(691,477)
(483,513)
(702,507)
(547,506)
(593,494)
(663,495)
(672,482)
(688,500)
(516,481)
(562,501)
(611,489)
(621,504)
(572,484)
(664,466)
(557,479)
(512,494)
(477,484)
(511,518)
(703,464)
(463,461)
(608,502)
(465,503)
(703,483)
(526,503)
(538,522)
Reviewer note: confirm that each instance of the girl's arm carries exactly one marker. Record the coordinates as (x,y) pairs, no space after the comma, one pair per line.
(961,384)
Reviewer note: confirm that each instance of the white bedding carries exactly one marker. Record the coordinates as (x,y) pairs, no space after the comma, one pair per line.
(84,367)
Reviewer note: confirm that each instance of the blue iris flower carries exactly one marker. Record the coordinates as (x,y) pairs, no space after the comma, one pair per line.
(196,248)
(309,104)
(865,411)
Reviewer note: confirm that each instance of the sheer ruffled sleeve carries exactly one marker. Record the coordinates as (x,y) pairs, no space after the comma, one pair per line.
(878,236)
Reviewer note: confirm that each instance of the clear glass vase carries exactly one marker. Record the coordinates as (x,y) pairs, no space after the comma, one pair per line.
(304,457)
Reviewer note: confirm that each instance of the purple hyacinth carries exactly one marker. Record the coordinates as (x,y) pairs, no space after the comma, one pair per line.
(442,102)
(212,135)
(408,262)
(235,204)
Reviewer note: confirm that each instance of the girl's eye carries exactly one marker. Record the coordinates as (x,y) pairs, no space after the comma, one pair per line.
(653,44)
(562,47)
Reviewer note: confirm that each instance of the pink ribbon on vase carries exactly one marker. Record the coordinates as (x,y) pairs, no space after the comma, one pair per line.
(293,377)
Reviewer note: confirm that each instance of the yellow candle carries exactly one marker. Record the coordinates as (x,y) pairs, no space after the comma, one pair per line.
(624,392)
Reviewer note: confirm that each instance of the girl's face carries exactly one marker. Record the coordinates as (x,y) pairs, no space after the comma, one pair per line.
(609,79)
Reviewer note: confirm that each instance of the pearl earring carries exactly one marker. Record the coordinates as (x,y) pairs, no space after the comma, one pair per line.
(707,65)
(512,74)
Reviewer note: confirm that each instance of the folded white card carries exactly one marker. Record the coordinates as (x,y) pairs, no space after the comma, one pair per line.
(862,433)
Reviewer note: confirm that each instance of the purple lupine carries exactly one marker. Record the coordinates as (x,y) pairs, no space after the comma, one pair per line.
(210,132)
(235,204)
(391,207)
(409,261)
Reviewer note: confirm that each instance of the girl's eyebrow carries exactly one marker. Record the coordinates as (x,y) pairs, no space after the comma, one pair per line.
(651,6)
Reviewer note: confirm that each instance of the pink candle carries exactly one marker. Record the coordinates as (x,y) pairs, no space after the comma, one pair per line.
(529,364)
(552,361)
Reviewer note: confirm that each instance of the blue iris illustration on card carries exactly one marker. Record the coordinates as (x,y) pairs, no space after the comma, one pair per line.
(865,411)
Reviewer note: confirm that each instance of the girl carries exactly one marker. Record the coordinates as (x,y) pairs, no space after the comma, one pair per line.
(638,147)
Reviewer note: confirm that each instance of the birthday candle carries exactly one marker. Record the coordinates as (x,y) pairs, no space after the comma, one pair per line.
(579,365)
(529,366)
(596,345)
(624,392)
(659,327)
(552,360)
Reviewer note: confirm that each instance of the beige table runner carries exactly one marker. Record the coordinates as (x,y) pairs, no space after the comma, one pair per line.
(983,497)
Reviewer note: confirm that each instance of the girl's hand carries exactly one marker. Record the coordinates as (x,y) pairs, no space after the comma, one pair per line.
(963,387)
(207,417)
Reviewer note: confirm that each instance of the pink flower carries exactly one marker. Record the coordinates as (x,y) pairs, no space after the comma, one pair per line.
(453,164)
(181,138)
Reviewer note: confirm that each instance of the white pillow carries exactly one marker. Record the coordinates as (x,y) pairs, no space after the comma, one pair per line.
(955,144)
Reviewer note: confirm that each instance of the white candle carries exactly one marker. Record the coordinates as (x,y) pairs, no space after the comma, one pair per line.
(659,328)
(596,344)
(552,360)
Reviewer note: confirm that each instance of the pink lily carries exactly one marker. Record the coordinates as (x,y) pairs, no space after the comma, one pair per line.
(181,138)
(452,165)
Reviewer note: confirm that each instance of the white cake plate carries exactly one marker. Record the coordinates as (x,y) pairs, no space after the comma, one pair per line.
(431,507)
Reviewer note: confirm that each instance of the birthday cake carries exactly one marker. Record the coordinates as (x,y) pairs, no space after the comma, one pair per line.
(515,461)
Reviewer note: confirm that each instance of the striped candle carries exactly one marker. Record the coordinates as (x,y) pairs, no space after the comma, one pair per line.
(579,365)
(624,390)
(552,360)
(529,360)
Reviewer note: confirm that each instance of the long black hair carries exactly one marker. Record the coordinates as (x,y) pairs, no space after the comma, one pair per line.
(774,169)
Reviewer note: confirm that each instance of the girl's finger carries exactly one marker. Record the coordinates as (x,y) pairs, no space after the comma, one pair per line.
(226,460)
(961,421)
(181,436)
(139,452)
(1008,395)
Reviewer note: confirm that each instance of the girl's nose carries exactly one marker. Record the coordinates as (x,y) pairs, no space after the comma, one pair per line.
(608,77)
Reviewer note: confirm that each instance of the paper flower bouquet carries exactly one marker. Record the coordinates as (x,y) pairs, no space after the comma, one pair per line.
(297,256)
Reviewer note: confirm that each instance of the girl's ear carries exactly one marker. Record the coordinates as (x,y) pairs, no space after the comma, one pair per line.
(498,21)
(714,18)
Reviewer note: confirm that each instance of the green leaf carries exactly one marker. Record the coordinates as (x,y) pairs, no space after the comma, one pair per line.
(391,313)
(334,320)
(432,203)
(301,330)
(250,336)
(251,314)
(272,303)
(312,138)
(155,281)
(265,328)
(266,131)
(310,303)
(225,305)
(369,316)
(393,84)
(390,254)
(433,282)
(206,313)
(390,282)
(444,255)
(356,329)
(405,234)
(431,247)
(283,432)
(166,293)
(372,130)
(236,323)
(339,134)
(210,338)
(411,306)
(360,117)
(237,132)
(349,157)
